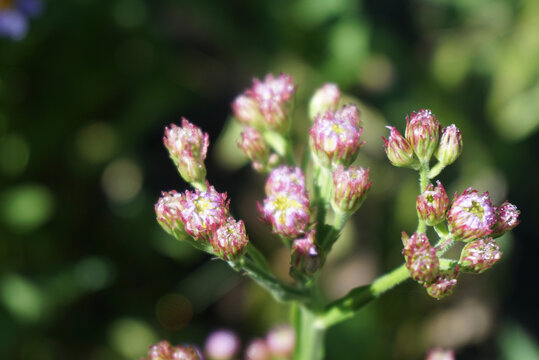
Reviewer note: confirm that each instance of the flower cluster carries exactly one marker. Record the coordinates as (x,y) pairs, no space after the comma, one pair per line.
(14,15)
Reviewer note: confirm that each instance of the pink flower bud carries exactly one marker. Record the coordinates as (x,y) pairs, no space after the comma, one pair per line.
(325,98)
(440,354)
(432,204)
(286,179)
(287,212)
(450,145)
(443,285)
(281,340)
(229,240)
(305,259)
(479,255)
(350,188)
(420,257)
(257,350)
(203,212)
(506,218)
(335,137)
(246,110)
(423,133)
(255,148)
(471,215)
(168,211)
(222,345)
(164,351)
(187,146)
(398,149)
(186,353)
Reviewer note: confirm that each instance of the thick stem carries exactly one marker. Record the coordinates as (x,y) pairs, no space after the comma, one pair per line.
(310,332)
(423,183)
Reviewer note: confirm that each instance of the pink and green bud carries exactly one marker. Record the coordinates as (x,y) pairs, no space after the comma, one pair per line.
(471,215)
(350,188)
(335,137)
(203,212)
(440,354)
(164,351)
(230,239)
(246,110)
(281,340)
(286,179)
(305,257)
(450,145)
(420,256)
(256,149)
(324,99)
(398,149)
(506,219)
(432,204)
(423,133)
(443,285)
(479,255)
(257,350)
(222,345)
(168,211)
(287,212)
(187,146)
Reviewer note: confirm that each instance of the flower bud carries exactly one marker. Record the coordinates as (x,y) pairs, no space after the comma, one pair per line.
(187,146)
(255,148)
(423,133)
(335,137)
(450,145)
(164,351)
(287,212)
(506,219)
(420,256)
(443,286)
(257,350)
(168,211)
(245,109)
(286,179)
(479,255)
(305,258)
(432,204)
(229,240)
(281,340)
(471,215)
(324,99)
(222,345)
(440,354)
(398,149)
(350,188)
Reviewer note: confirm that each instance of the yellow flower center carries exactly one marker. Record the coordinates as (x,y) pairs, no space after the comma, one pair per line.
(476,209)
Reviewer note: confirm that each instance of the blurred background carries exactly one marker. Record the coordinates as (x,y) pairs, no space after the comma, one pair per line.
(87,273)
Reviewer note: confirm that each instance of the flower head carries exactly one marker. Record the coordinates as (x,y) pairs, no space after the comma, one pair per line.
(398,149)
(255,148)
(14,15)
(230,239)
(350,188)
(164,351)
(423,133)
(450,145)
(287,212)
(443,285)
(432,204)
(420,256)
(168,211)
(305,258)
(335,137)
(325,98)
(187,146)
(222,345)
(506,218)
(479,255)
(285,179)
(471,215)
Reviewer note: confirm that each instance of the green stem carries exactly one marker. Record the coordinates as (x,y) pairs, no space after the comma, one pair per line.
(310,336)
(436,169)
(423,183)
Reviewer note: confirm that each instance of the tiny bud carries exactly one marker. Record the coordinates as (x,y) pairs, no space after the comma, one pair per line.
(506,219)
(479,255)
(440,354)
(287,212)
(187,146)
(281,340)
(432,204)
(350,188)
(450,145)
(245,109)
(305,258)
(229,240)
(168,211)
(471,215)
(257,350)
(398,149)
(255,148)
(222,345)
(325,98)
(285,179)
(164,351)
(443,286)
(420,257)
(423,133)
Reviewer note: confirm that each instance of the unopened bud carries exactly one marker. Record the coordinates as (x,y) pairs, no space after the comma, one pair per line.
(350,188)
(432,204)
(398,149)
(506,219)
(423,133)
(325,98)
(222,345)
(246,110)
(305,258)
(420,256)
(479,255)
(255,148)
(230,239)
(471,215)
(285,179)
(168,211)
(443,285)
(164,351)
(450,145)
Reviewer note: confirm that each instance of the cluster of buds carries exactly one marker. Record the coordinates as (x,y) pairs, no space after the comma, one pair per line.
(423,138)
(164,351)
(350,188)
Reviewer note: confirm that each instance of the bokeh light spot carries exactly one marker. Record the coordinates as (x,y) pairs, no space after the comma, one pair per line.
(94,273)
(131,337)
(174,311)
(97,142)
(122,180)
(14,154)
(21,297)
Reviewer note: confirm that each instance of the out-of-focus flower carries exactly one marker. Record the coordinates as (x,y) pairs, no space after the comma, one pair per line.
(471,215)
(450,145)
(230,239)
(246,110)
(305,258)
(350,188)
(287,212)
(335,137)
(326,98)
(443,285)
(479,255)
(14,17)
(281,340)
(257,350)
(432,204)
(420,256)
(164,351)
(398,149)
(222,345)
(168,211)
(256,149)
(285,179)
(506,219)
(187,146)
(440,354)
(423,133)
